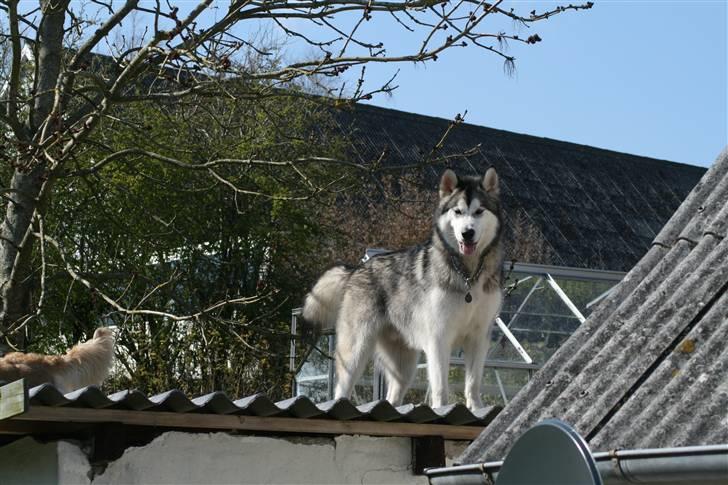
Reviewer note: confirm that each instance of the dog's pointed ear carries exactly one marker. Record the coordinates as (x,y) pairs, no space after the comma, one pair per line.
(448,182)
(490,181)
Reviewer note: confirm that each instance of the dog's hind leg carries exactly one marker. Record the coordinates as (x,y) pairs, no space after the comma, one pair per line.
(399,363)
(354,349)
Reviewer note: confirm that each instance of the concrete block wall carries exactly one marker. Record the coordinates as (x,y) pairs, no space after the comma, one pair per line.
(193,458)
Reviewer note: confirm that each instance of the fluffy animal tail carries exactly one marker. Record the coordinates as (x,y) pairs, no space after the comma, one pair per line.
(86,364)
(323,302)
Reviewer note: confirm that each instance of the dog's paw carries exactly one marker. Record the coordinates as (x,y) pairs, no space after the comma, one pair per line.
(474,404)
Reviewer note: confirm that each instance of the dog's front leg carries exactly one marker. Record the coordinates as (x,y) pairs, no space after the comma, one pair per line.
(438,365)
(476,350)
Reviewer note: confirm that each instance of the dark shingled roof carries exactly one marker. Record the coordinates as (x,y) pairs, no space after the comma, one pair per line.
(595,208)
(649,368)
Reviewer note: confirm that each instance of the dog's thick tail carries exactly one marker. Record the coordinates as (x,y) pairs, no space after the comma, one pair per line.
(323,302)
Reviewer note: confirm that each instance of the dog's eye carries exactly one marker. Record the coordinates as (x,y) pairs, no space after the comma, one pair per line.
(457,211)
(479,211)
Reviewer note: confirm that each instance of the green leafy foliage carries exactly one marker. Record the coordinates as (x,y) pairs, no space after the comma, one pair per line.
(151,235)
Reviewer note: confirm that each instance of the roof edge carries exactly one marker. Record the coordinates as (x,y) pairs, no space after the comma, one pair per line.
(692,464)
(523,136)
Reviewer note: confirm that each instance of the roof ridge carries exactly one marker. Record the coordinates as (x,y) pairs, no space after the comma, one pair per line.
(260,405)
(521,136)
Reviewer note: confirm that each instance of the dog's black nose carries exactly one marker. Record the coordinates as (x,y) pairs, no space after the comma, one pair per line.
(468,235)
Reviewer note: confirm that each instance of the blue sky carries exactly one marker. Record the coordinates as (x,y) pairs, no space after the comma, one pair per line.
(645,77)
(642,77)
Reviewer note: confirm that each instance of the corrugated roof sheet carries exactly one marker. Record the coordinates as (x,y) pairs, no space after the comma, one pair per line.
(649,368)
(259,405)
(595,208)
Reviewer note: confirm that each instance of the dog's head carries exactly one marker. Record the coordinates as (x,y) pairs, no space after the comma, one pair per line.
(468,215)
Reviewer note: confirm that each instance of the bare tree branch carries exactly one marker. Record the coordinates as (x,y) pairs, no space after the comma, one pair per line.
(114,20)
(68,108)
(11,107)
(155,313)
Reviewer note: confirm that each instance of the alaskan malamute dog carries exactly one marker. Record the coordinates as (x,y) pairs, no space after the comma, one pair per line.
(431,297)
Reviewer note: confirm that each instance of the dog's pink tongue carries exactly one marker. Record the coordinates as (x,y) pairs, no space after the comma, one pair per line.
(467,248)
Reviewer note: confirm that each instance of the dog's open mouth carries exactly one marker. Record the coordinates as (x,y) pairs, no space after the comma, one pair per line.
(466,248)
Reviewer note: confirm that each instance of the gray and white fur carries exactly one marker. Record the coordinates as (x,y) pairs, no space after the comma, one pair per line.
(418,299)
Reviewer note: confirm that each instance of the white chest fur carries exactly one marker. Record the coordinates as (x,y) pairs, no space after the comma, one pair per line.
(446,315)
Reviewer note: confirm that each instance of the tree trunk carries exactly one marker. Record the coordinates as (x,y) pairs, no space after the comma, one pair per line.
(16,242)
(16,246)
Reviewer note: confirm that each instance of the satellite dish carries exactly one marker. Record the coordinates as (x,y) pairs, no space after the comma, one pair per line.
(549,453)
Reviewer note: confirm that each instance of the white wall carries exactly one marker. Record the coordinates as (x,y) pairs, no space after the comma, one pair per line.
(26,461)
(212,458)
(222,458)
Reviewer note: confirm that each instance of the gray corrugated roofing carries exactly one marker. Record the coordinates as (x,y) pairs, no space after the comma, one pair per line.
(259,405)
(649,368)
(594,208)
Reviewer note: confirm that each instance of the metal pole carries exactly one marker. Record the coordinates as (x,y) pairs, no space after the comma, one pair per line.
(500,386)
(377,385)
(330,380)
(292,358)
(525,300)
(566,272)
(600,297)
(521,351)
(294,329)
(565,298)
